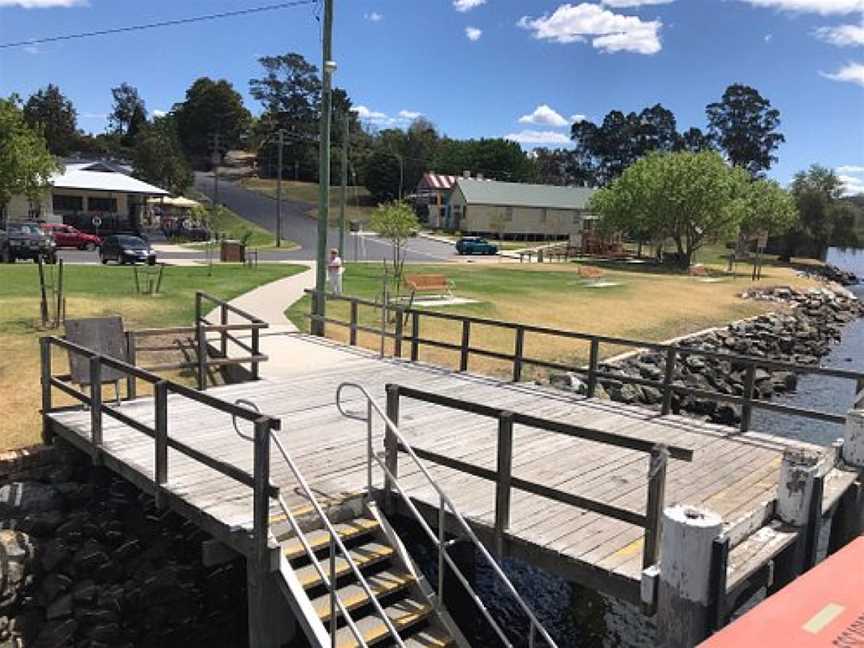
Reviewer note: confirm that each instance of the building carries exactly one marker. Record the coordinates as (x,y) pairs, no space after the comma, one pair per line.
(518,211)
(432,193)
(92,196)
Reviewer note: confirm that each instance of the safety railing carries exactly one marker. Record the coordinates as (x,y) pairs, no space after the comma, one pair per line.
(393,440)
(407,331)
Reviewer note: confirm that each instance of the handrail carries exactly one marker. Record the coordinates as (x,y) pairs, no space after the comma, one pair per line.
(445,501)
(749,400)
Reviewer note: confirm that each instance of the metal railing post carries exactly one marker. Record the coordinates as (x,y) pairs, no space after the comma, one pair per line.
(747,407)
(131,380)
(223,334)
(391,445)
(261,496)
(442,550)
(505,476)
(45,355)
(669,375)
(256,351)
(334,617)
(96,400)
(466,341)
(397,341)
(415,336)
(518,354)
(858,401)
(160,390)
(593,360)
(654,509)
(352,336)
(200,344)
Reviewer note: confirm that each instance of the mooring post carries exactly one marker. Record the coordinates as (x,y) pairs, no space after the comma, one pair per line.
(96,400)
(391,446)
(795,506)
(518,354)
(684,590)
(848,522)
(415,336)
(45,352)
(131,380)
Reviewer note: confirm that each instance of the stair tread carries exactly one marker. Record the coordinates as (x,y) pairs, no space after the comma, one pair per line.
(354,596)
(293,548)
(432,637)
(363,556)
(402,614)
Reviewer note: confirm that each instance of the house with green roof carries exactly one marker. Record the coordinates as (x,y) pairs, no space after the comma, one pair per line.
(511,210)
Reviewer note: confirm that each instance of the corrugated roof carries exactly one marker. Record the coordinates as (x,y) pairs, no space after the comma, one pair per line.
(514,194)
(98,176)
(436,181)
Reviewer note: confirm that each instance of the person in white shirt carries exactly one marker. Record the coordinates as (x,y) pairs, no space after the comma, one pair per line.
(335,268)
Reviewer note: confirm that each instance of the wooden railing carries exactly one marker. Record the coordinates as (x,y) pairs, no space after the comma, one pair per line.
(408,329)
(503,476)
(259,480)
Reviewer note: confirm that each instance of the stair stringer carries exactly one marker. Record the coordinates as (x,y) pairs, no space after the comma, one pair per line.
(301,606)
(403,559)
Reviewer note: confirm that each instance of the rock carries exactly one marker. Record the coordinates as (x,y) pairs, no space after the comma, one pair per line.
(627,393)
(52,585)
(60,609)
(18,499)
(56,634)
(42,524)
(53,553)
(17,562)
(569,382)
(652,395)
(84,591)
(761,374)
(89,557)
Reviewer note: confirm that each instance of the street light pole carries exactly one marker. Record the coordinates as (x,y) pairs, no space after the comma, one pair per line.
(344,196)
(329,67)
(279,192)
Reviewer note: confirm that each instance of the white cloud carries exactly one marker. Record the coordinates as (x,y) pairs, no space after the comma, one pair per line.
(374,16)
(842,35)
(850,169)
(578,119)
(539,138)
(623,4)
(43,4)
(769,38)
(608,31)
(87,115)
(376,118)
(850,73)
(473,33)
(467,5)
(544,116)
(158,113)
(824,7)
(409,114)
(366,114)
(852,186)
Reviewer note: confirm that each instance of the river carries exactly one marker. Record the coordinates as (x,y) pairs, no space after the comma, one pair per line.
(579,618)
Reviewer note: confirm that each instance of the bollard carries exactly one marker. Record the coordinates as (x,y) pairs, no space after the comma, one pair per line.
(848,520)
(684,590)
(853,439)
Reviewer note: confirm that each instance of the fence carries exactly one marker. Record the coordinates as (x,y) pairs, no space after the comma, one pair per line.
(408,330)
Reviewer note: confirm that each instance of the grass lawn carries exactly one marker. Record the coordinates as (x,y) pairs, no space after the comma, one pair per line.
(359,208)
(93,291)
(642,306)
(236,227)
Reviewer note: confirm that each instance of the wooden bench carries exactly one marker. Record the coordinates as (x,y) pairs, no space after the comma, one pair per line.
(590,272)
(428,284)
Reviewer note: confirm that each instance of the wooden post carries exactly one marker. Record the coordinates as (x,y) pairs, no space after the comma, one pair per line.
(593,361)
(747,408)
(654,508)
(261,496)
(518,354)
(466,342)
(45,354)
(859,394)
(397,340)
(719,570)
(391,445)
(160,390)
(256,351)
(200,344)
(223,335)
(505,476)
(814,523)
(263,628)
(415,336)
(131,380)
(853,439)
(684,590)
(352,338)
(96,400)
(669,375)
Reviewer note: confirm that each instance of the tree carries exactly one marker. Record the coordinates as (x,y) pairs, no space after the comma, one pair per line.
(382,175)
(51,113)
(210,107)
(159,157)
(26,164)
(744,125)
(127,111)
(691,198)
(695,141)
(395,222)
(767,207)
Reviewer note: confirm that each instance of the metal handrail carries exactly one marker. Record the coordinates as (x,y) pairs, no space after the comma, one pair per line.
(335,544)
(444,502)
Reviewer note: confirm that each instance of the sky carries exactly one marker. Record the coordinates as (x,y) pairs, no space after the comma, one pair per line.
(523,69)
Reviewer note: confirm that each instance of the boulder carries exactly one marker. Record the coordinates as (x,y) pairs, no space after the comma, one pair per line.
(18,499)
(17,564)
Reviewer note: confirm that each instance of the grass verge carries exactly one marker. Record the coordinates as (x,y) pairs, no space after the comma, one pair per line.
(359,208)
(234,226)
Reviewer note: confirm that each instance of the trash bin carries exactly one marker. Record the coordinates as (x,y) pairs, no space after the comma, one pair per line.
(232,252)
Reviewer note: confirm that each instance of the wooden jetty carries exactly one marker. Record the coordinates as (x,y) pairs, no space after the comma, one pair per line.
(279,472)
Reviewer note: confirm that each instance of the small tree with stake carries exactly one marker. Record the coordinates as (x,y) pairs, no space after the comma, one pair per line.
(395,222)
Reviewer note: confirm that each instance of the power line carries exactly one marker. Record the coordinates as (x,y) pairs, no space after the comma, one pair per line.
(164,23)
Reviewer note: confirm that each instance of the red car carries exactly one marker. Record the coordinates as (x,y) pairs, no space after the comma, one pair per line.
(69,237)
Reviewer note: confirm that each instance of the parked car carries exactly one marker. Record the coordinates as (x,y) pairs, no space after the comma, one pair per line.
(475,245)
(124,248)
(66,236)
(27,241)
(5,255)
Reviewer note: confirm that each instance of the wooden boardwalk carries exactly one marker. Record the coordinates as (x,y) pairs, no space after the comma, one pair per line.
(733,474)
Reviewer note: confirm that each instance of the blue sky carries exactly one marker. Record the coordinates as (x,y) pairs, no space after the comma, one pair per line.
(518,68)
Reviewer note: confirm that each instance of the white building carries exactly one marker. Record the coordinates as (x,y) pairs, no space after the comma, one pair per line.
(91,196)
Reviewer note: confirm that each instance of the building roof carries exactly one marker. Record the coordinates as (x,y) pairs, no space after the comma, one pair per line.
(514,194)
(436,182)
(101,176)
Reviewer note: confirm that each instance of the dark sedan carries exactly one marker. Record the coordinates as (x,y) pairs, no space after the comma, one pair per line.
(27,241)
(124,248)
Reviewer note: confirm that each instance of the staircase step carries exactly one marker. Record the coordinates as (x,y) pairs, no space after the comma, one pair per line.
(320,539)
(354,596)
(402,615)
(432,637)
(364,556)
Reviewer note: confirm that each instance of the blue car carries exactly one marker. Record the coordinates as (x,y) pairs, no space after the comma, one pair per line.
(475,245)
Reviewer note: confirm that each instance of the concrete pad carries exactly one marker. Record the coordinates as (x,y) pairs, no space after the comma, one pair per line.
(602,284)
(451,301)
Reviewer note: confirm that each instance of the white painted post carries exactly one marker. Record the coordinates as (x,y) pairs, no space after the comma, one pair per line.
(853,439)
(797,473)
(684,590)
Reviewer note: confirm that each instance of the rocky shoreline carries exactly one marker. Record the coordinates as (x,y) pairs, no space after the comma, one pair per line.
(813,321)
(87,561)
(831,273)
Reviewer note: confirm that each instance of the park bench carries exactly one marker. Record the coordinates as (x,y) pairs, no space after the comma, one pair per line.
(698,270)
(429,284)
(590,272)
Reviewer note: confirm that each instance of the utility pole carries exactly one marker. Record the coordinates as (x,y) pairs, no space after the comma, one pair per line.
(344,168)
(324,175)
(279,191)
(215,160)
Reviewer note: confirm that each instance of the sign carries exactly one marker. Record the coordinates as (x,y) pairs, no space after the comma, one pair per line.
(97,221)
(762,240)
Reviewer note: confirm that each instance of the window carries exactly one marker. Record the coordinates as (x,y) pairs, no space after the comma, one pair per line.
(508,214)
(68,203)
(102,205)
